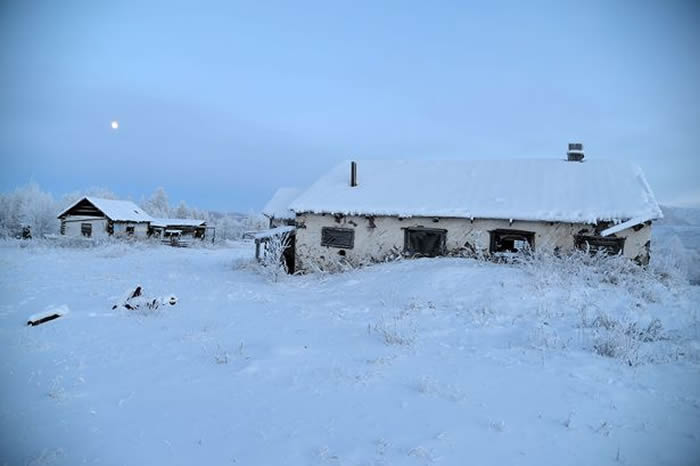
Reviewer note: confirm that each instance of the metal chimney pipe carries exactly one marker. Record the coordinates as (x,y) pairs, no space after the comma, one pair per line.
(575,152)
(353,174)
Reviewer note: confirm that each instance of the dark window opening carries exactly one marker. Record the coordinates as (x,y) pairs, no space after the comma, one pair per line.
(424,242)
(593,244)
(512,240)
(130,230)
(343,238)
(86,229)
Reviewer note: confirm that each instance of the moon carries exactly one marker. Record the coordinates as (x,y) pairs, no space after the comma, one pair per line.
(115,124)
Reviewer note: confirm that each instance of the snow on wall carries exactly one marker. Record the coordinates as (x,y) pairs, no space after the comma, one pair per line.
(386,238)
(542,189)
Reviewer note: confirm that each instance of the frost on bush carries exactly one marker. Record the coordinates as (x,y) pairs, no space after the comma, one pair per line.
(579,269)
(272,263)
(430,386)
(671,262)
(396,330)
(609,298)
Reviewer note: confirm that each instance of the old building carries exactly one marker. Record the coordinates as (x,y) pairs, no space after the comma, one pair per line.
(277,208)
(370,210)
(180,230)
(94,217)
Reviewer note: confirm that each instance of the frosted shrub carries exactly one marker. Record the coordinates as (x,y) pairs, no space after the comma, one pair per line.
(671,261)
(396,331)
(617,345)
(614,338)
(429,386)
(56,389)
(579,269)
(272,264)
(584,284)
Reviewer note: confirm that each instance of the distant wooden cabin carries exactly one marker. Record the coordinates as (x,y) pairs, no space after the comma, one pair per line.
(94,217)
(176,230)
(277,208)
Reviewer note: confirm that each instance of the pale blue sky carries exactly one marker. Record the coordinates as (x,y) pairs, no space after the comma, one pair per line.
(222,102)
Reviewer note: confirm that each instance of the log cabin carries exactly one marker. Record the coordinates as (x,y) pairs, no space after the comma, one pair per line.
(94,217)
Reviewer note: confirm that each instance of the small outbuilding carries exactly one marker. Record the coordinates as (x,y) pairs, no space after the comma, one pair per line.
(277,208)
(94,217)
(367,211)
(178,230)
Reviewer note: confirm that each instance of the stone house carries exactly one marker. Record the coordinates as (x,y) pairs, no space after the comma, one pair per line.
(367,211)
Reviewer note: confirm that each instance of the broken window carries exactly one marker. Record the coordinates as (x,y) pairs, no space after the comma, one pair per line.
(610,245)
(86,229)
(338,237)
(511,240)
(130,230)
(424,242)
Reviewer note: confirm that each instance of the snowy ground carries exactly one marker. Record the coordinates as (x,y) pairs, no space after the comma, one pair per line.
(434,361)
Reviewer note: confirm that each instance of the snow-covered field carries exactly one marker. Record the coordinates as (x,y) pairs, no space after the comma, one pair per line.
(433,361)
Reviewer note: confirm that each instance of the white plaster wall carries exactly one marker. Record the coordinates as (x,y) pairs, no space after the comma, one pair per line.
(99,227)
(140,229)
(375,244)
(72,226)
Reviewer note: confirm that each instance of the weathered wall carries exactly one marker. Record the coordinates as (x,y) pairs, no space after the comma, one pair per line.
(387,236)
(140,229)
(71,226)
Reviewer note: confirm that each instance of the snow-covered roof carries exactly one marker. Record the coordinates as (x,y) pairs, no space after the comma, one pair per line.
(116,210)
(278,231)
(278,206)
(167,222)
(519,189)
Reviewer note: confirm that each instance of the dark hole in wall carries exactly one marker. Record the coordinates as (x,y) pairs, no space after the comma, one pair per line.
(503,240)
(338,237)
(611,245)
(427,242)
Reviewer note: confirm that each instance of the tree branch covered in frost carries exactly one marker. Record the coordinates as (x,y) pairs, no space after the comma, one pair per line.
(272,263)
(31,206)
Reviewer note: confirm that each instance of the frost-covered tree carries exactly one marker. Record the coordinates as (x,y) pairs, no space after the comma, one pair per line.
(158,204)
(28,206)
(182,211)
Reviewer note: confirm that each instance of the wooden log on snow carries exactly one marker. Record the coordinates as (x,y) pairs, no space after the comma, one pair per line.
(47,316)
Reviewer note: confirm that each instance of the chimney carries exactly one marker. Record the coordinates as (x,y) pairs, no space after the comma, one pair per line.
(353,174)
(575,152)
